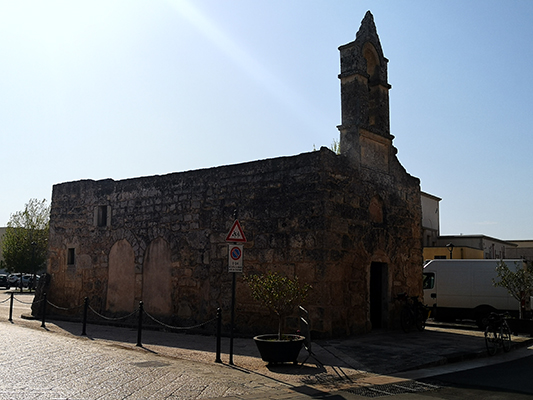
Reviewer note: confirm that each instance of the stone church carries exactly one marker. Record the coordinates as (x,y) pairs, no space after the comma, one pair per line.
(347,224)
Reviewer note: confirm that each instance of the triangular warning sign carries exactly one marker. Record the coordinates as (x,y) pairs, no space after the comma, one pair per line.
(235,233)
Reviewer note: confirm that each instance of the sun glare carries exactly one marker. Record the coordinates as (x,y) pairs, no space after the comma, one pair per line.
(244,60)
(220,39)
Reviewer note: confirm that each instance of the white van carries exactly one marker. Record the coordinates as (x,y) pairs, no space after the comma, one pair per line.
(464,289)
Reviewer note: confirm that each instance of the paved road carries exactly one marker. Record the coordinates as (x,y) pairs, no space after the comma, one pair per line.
(21,303)
(512,378)
(36,364)
(39,365)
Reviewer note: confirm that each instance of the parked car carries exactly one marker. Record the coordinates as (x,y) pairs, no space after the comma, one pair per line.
(13,280)
(3,281)
(27,280)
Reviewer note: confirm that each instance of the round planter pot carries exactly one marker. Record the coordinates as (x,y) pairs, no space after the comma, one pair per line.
(274,351)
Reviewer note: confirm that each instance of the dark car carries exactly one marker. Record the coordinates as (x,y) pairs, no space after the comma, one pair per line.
(3,281)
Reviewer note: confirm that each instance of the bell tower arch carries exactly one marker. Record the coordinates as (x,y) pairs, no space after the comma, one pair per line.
(365,127)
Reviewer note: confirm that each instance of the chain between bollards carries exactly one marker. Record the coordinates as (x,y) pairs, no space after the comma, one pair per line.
(139,324)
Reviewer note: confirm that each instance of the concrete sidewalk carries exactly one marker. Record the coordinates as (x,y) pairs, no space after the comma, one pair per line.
(337,367)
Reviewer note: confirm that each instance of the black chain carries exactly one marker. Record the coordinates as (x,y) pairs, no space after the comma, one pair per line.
(179,327)
(112,319)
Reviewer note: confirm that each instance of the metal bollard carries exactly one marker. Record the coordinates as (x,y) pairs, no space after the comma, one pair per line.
(219,334)
(140,325)
(85,308)
(43,324)
(11,308)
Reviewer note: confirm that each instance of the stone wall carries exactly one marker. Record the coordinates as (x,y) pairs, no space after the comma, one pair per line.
(349,225)
(310,215)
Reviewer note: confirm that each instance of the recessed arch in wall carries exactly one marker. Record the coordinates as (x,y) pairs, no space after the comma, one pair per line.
(372,59)
(157,278)
(121,278)
(375,209)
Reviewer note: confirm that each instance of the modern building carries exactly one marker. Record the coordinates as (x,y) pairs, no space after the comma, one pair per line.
(522,249)
(430,219)
(464,246)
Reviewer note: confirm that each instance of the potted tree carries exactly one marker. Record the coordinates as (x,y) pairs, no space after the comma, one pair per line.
(280,295)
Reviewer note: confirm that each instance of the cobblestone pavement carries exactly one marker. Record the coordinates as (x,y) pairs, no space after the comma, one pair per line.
(39,365)
(57,363)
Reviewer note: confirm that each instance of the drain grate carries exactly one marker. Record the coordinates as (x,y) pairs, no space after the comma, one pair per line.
(393,388)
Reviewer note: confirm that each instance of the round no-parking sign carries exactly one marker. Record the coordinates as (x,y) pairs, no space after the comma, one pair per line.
(235,257)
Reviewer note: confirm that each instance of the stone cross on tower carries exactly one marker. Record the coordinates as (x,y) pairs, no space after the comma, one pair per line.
(365,130)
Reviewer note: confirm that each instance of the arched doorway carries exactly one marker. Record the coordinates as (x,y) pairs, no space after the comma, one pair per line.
(379,283)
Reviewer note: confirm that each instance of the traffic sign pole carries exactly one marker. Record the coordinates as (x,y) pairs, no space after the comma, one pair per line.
(235,254)
(233,284)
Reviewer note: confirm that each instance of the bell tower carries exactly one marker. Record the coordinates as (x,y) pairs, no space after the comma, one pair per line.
(365,129)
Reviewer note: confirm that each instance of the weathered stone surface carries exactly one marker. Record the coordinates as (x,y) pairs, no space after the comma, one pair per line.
(317,222)
(349,225)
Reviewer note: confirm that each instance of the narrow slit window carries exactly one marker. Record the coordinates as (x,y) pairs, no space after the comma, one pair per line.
(102,216)
(71,256)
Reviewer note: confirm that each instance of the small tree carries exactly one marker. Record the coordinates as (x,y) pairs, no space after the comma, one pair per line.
(25,243)
(519,283)
(335,146)
(278,293)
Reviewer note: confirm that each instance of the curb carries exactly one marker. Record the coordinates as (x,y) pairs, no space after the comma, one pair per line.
(460,357)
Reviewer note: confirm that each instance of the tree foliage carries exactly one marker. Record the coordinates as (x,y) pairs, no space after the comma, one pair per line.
(25,242)
(278,293)
(518,282)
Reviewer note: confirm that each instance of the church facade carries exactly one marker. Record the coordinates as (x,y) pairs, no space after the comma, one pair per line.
(349,225)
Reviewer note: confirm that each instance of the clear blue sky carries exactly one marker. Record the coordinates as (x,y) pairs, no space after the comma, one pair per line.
(120,89)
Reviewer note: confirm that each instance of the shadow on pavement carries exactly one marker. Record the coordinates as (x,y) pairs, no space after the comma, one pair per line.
(345,361)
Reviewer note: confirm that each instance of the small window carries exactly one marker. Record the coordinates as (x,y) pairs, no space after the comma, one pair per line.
(71,256)
(440,257)
(429,280)
(102,216)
